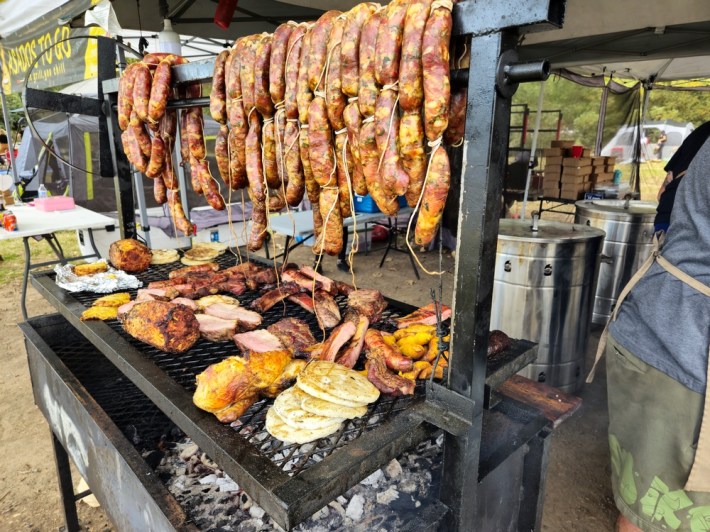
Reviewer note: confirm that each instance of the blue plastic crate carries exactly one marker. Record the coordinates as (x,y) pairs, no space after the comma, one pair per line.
(367,204)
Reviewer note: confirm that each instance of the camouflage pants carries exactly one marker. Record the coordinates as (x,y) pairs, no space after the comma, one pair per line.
(654,423)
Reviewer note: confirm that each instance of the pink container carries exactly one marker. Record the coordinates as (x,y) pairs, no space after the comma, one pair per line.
(54,203)
(577,151)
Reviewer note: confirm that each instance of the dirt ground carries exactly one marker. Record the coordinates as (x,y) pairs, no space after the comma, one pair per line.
(578,494)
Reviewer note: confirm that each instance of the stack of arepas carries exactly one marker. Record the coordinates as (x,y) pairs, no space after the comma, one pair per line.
(202,253)
(325,395)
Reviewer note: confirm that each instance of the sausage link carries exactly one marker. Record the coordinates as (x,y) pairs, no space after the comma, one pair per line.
(412,154)
(344,169)
(141,91)
(321,143)
(228,81)
(389,42)
(258,224)
(168,125)
(435,191)
(125,96)
(184,144)
(232,69)
(280,128)
(312,186)
(293,57)
(277,64)
(295,186)
(367,89)
(153,59)
(133,150)
(411,90)
(435,65)
(319,50)
(159,91)
(195,177)
(221,153)
(268,140)
(169,177)
(304,95)
(218,96)
(334,97)
(209,186)
(393,178)
(177,213)
(262,98)
(317,225)
(237,160)
(254,165)
(277,201)
(352,120)
(143,138)
(246,73)
(349,51)
(332,221)
(457,117)
(195,134)
(157,158)
(370,157)
(160,192)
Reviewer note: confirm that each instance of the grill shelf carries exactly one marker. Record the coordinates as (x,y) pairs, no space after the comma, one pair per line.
(289,481)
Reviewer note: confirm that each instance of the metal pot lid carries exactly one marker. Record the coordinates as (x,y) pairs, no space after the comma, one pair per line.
(618,206)
(548,232)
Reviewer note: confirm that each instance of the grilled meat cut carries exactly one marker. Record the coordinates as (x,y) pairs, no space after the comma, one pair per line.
(259,341)
(233,286)
(383,379)
(245,268)
(216,329)
(375,345)
(161,294)
(208,267)
(293,333)
(189,303)
(246,319)
(350,355)
(270,298)
(303,300)
(339,336)
(301,279)
(327,310)
(286,379)
(344,288)
(129,255)
(367,302)
(165,326)
(425,315)
(328,283)
(227,389)
(498,342)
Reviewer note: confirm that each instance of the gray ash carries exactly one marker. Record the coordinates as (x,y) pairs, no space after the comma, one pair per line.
(384,501)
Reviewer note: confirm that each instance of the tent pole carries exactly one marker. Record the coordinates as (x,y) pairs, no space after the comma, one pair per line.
(533,148)
(71,157)
(601,120)
(8,129)
(637,159)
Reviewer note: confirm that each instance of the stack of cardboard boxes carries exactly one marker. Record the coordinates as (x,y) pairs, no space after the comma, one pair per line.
(571,171)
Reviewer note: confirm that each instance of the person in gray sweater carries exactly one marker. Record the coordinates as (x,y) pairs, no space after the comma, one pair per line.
(657,373)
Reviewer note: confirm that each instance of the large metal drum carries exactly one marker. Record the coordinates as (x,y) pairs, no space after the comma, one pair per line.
(543,291)
(629,235)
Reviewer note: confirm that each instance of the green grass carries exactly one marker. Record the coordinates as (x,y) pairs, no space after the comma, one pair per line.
(13,254)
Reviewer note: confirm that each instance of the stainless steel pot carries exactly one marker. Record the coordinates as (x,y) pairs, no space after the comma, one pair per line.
(543,291)
(629,234)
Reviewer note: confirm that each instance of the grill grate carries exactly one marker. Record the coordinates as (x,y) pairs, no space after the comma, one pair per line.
(183,368)
(143,423)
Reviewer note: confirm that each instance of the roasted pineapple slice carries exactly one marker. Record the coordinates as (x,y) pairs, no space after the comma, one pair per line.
(100,313)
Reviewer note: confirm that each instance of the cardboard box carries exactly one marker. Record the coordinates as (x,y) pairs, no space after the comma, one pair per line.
(598,161)
(570,171)
(552,152)
(561,143)
(587,153)
(610,160)
(577,162)
(605,177)
(596,169)
(570,180)
(609,168)
(552,161)
(571,194)
(552,168)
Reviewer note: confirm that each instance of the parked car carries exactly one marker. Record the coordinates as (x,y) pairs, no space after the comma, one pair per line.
(622,143)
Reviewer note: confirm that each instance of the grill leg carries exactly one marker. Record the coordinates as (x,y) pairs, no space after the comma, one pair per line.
(66,488)
(534,475)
